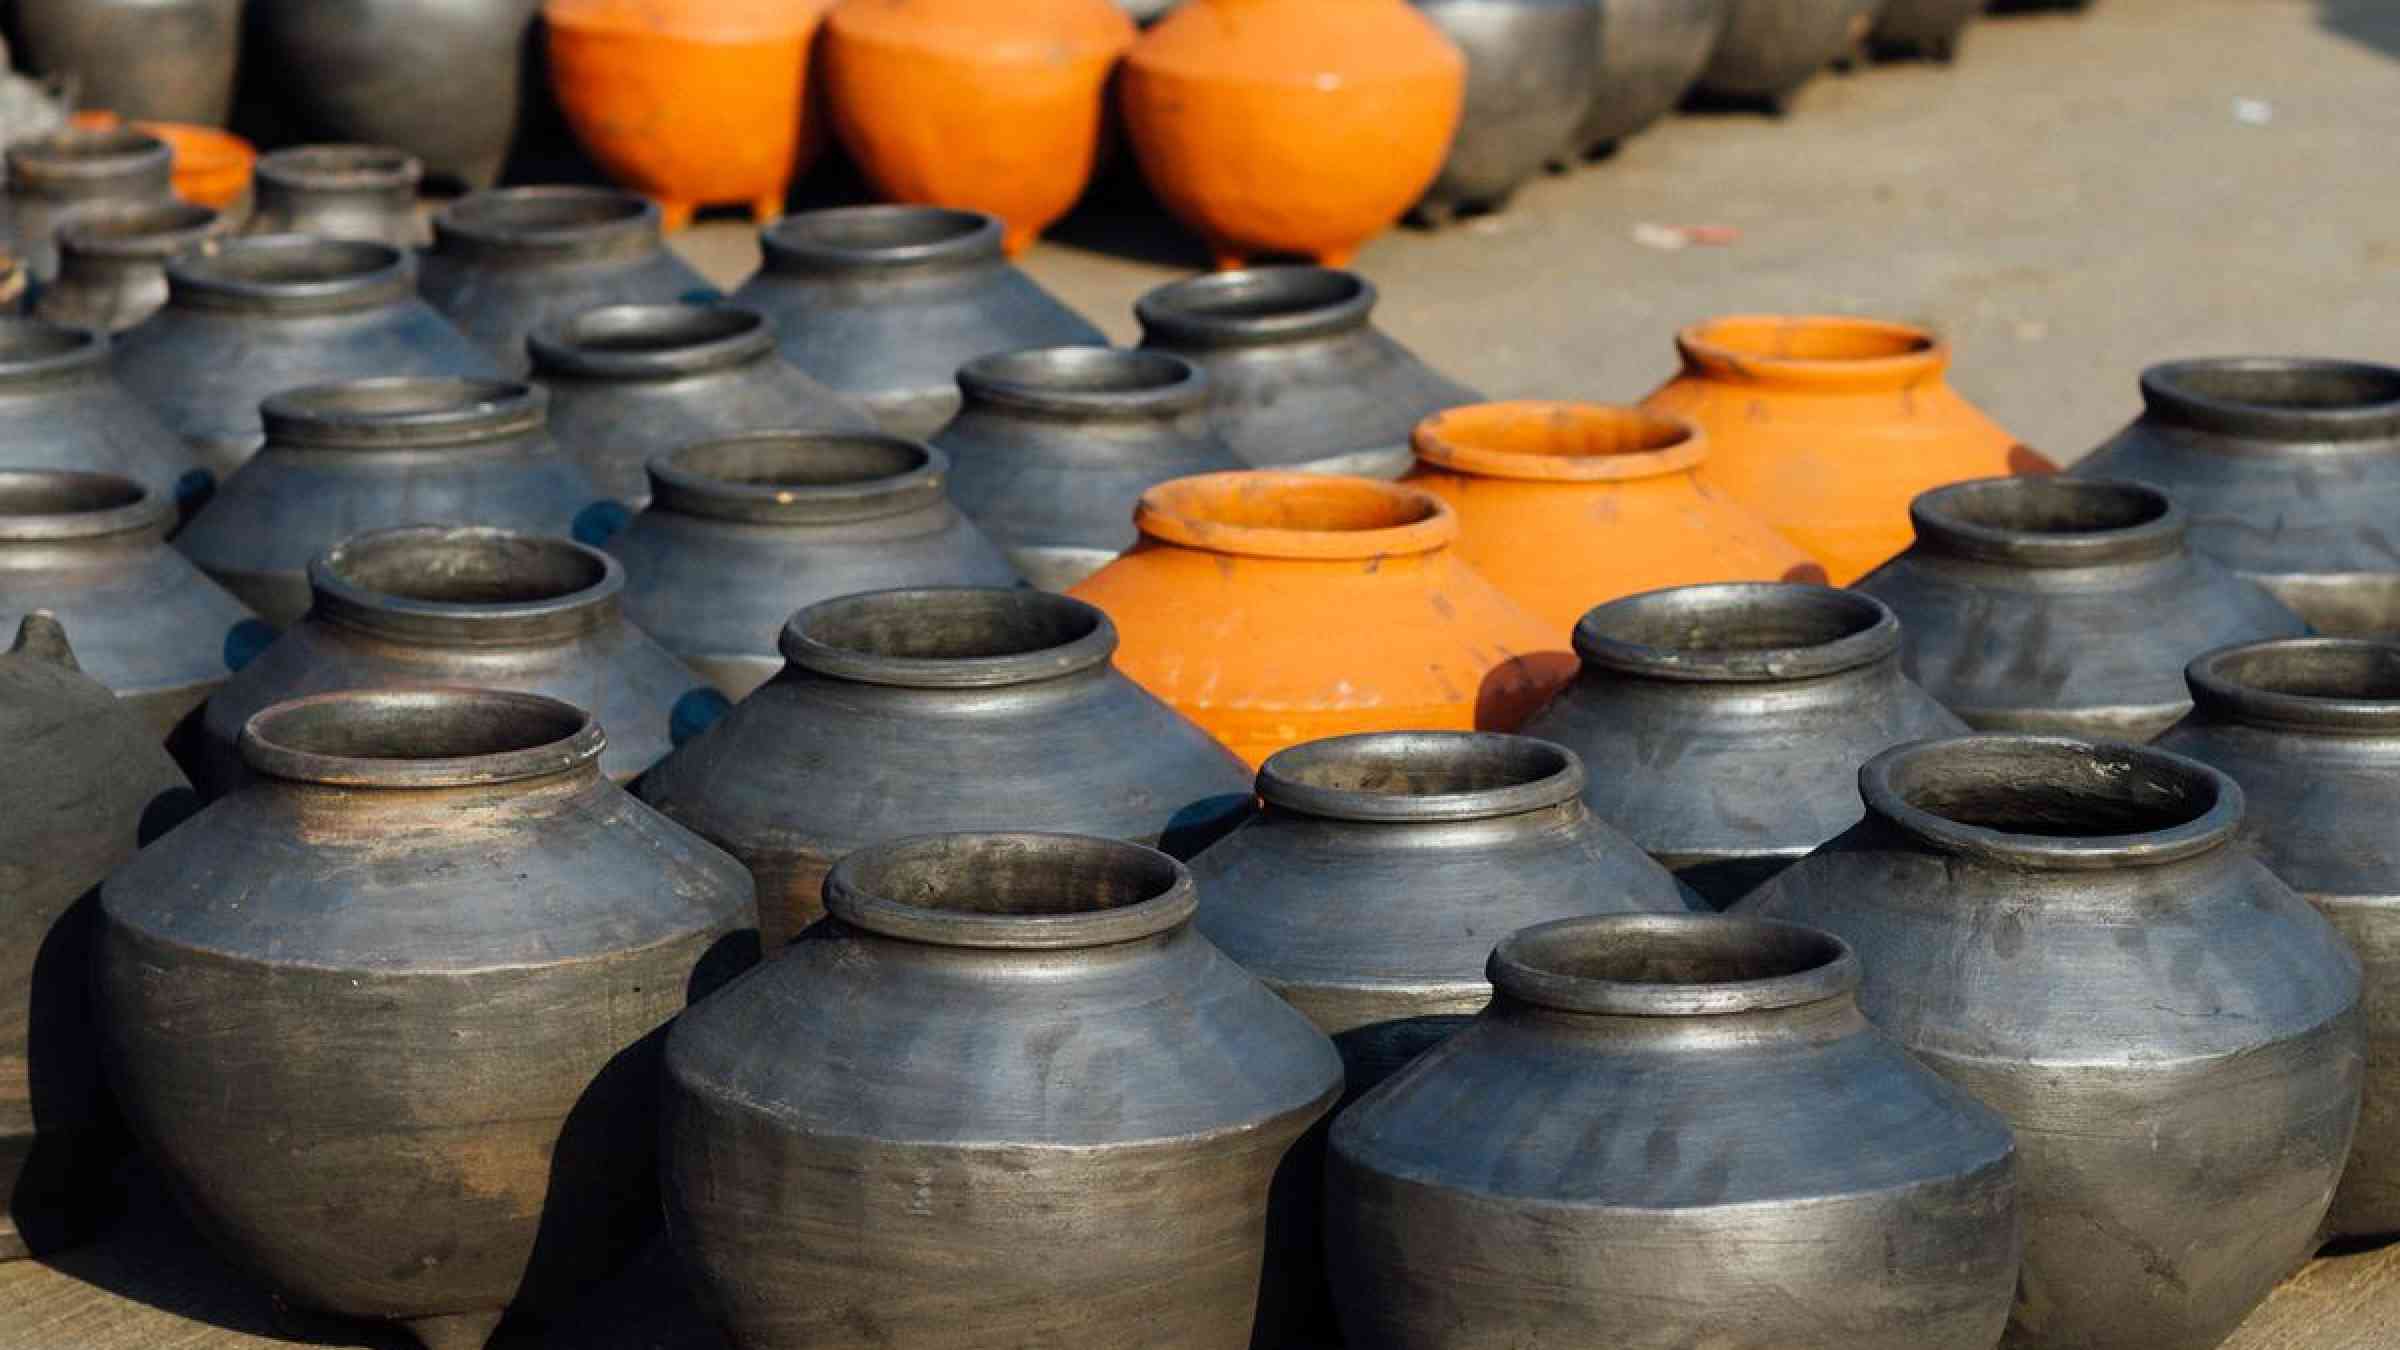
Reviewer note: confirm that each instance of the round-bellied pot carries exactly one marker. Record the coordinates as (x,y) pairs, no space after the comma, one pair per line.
(112,261)
(92,549)
(885,303)
(1019,972)
(212,166)
(2063,605)
(2311,730)
(630,382)
(2289,469)
(364,192)
(508,260)
(365,454)
(1721,727)
(1672,1130)
(61,408)
(2070,931)
(1300,376)
(1929,29)
(943,708)
(1054,446)
(153,60)
(51,178)
(789,519)
(87,784)
(439,950)
(475,607)
(262,315)
(1531,68)
(1829,427)
(1772,47)
(1650,52)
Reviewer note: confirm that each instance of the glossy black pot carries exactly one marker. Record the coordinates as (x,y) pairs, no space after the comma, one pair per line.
(339,192)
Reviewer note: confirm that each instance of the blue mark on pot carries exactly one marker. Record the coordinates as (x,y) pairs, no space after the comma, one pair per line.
(193,490)
(598,523)
(702,295)
(695,712)
(245,640)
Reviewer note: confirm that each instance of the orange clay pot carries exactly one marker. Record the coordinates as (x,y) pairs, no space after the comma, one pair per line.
(1828,427)
(690,102)
(1274,608)
(212,167)
(1565,506)
(1292,126)
(967,103)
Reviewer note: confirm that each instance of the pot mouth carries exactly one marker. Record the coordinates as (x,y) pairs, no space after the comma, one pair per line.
(463,582)
(1538,441)
(2047,521)
(80,159)
(419,738)
(1744,632)
(2287,398)
(799,477)
(35,349)
(341,168)
(57,505)
(1267,513)
(1255,306)
(291,274)
(949,637)
(2052,801)
(548,224)
(1018,892)
(1418,776)
(139,232)
(1820,351)
(650,342)
(403,412)
(879,238)
(2310,684)
(1085,382)
(1672,965)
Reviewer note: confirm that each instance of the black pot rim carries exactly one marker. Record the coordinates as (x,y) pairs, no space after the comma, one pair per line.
(340,167)
(1529,775)
(73,159)
(119,506)
(1300,302)
(338,598)
(403,412)
(519,224)
(814,242)
(2228,683)
(1862,631)
(1091,640)
(856,892)
(1539,965)
(354,274)
(72,351)
(175,227)
(1885,784)
(1946,523)
(693,339)
(2177,392)
(681,483)
(570,739)
(1045,381)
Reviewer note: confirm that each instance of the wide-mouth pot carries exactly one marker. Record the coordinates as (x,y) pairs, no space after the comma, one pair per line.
(2309,684)
(1819,351)
(291,274)
(650,342)
(2051,801)
(1084,382)
(1420,776)
(58,505)
(880,238)
(799,477)
(550,223)
(949,637)
(1672,965)
(1266,513)
(1539,441)
(1256,306)
(403,412)
(1010,891)
(464,583)
(2047,521)
(1739,631)
(2278,398)
(419,738)
(315,169)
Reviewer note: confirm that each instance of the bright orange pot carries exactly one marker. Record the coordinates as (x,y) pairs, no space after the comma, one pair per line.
(966,103)
(212,166)
(1565,506)
(1828,427)
(1274,608)
(1292,126)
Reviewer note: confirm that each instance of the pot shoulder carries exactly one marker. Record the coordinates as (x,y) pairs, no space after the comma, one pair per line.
(867,338)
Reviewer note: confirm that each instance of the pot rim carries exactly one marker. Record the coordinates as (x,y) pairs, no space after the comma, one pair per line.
(72,159)
(2177,392)
(2137,521)
(1839,351)
(1860,631)
(694,479)
(841,239)
(1526,773)
(117,505)
(1212,512)
(1088,638)
(355,274)
(1460,440)
(855,891)
(1073,381)
(389,412)
(545,223)
(1255,306)
(559,613)
(2207,816)
(70,350)
(1545,965)
(570,738)
(668,341)
(339,167)
(2231,682)
(173,228)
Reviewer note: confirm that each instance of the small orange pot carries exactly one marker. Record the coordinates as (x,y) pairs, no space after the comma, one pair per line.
(965,103)
(212,166)
(1292,126)
(1565,506)
(1828,427)
(1274,608)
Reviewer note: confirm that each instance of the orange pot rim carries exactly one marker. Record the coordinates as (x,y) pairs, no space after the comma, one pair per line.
(760,21)
(861,23)
(1265,513)
(1841,351)
(1453,439)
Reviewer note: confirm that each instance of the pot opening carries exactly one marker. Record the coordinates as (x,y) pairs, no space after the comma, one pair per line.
(1420,775)
(1738,631)
(802,459)
(411,738)
(869,232)
(1268,293)
(2282,385)
(453,566)
(1660,965)
(965,623)
(287,260)
(335,167)
(638,329)
(166,222)
(2048,505)
(38,492)
(1812,338)
(1305,503)
(1078,370)
(543,210)
(1010,890)
(1548,440)
(2311,668)
(2050,788)
(401,398)
(88,146)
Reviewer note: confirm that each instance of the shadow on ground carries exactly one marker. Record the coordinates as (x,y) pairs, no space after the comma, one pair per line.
(2370,23)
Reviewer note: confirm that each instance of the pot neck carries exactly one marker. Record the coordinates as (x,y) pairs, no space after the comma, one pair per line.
(1000,893)
(2047,522)
(1301,517)
(650,342)
(452,586)
(84,163)
(1420,777)
(950,637)
(1259,307)
(1830,354)
(881,242)
(1084,384)
(547,226)
(1538,442)
(1678,981)
(409,413)
(2285,402)
(2339,687)
(291,275)
(307,178)
(34,353)
(423,741)
(1750,634)
(799,478)
(45,511)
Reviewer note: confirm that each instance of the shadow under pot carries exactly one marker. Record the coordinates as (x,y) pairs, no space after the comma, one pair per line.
(1299,376)
(2290,471)
(2071,931)
(1673,1130)
(742,532)
(2311,730)
(1722,727)
(1099,1105)
(364,192)
(112,262)
(463,945)
(1054,447)
(54,177)
(1531,68)
(344,458)
(1771,48)
(947,708)
(630,382)
(254,317)
(885,303)
(1650,52)
(1926,29)
(479,608)
(61,407)
(2063,605)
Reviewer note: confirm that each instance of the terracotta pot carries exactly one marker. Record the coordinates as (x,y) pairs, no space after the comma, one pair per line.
(2070,931)
(366,454)
(2063,605)
(1772,47)
(1929,29)
(885,303)
(1275,608)
(795,517)
(60,408)
(52,177)
(1531,68)
(689,102)
(212,167)
(1721,727)
(439,951)
(1568,505)
(1300,375)
(340,192)
(170,59)
(1829,427)
(910,82)
(1650,52)
(112,261)
(1236,107)
(1022,971)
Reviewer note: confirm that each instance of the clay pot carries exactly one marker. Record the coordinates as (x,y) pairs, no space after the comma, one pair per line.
(1531,68)
(53,177)
(630,382)
(212,168)
(86,785)
(688,102)
(1650,52)
(1236,107)
(1721,727)
(2063,605)
(1096,1100)
(1567,505)
(1772,47)
(1055,445)
(112,261)
(885,303)
(2070,931)
(1300,376)
(60,408)
(2311,730)
(438,950)
(2289,469)
(1654,1105)
(359,455)
(908,82)
(482,608)
(169,60)
(1275,608)
(340,192)
(1927,29)
(507,261)
(258,316)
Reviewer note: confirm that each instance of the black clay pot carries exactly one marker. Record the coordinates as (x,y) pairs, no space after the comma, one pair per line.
(1772,47)
(339,192)
(1928,29)
(146,60)
(52,177)
(1650,52)
(1532,66)
(112,261)
(62,408)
